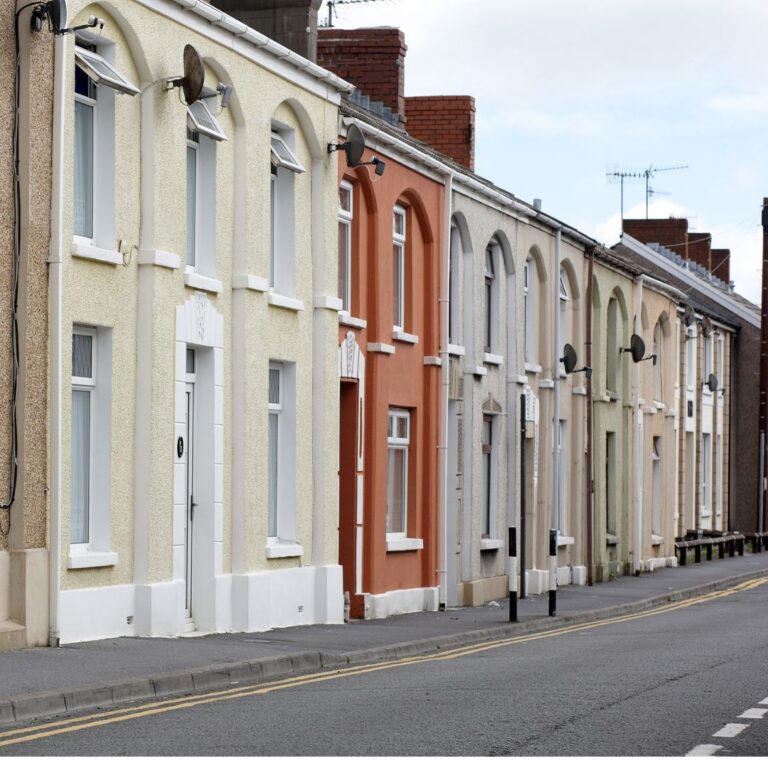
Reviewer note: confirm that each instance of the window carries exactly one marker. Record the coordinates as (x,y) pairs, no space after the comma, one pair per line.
(657,363)
(281,457)
(489,476)
(706,472)
(203,131)
(489,329)
(565,480)
(91,449)
(96,82)
(398,267)
(612,347)
(707,362)
(530,298)
(284,165)
(610,482)
(690,359)
(398,440)
(565,327)
(656,490)
(345,245)
(454,269)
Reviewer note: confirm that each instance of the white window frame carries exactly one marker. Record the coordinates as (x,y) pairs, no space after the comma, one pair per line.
(489,453)
(706,363)
(398,268)
(284,166)
(281,537)
(690,359)
(97,238)
(564,479)
(706,474)
(614,326)
(490,297)
(658,351)
(203,133)
(563,316)
(530,298)
(95,550)
(346,217)
(454,272)
(400,444)
(656,485)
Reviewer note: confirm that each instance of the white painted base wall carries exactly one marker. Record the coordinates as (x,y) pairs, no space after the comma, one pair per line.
(654,563)
(402,601)
(251,602)
(537,582)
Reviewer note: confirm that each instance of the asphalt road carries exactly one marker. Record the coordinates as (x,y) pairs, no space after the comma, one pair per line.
(680,679)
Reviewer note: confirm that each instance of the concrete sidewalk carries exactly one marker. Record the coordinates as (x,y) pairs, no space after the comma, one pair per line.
(49,681)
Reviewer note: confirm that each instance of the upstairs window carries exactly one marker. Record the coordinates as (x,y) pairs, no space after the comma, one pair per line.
(453,287)
(345,245)
(96,82)
(563,315)
(489,314)
(657,363)
(203,131)
(530,300)
(398,268)
(613,356)
(284,165)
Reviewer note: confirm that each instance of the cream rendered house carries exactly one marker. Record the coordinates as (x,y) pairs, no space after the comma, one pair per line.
(194,392)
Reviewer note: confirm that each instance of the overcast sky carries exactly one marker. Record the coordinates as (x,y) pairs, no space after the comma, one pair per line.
(567,90)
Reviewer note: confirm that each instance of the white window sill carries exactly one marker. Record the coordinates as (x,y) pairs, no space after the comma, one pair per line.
(649,410)
(328,302)
(531,368)
(564,541)
(613,398)
(656,540)
(408,338)
(519,379)
(91,559)
(353,322)
(160,259)
(611,539)
(579,391)
(377,346)
(488,545)
(493,359)
(403,544)
(436,361)
(476,370)
(277,548)
(547,384)
(83,248)
(456,350)
(659,406)
(251,283)
(194,279)
(284,302)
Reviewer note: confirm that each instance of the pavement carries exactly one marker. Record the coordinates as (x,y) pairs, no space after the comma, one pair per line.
(44,682)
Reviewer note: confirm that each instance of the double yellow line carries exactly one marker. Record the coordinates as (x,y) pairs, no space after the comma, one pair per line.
(73,724)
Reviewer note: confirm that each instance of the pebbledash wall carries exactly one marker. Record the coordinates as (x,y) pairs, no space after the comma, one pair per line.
(23,520)
(211,369)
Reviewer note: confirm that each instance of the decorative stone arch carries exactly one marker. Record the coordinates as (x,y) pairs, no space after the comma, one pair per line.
(199,326)
(506,251)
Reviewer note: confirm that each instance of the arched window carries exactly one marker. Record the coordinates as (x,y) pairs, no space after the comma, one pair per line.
(490,314)
(454,269)
(612,347)
(346,213)
(658,359)
(530,295)
(564,314)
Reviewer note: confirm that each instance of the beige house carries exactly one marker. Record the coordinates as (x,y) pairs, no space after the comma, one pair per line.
(193,329)
(23,343)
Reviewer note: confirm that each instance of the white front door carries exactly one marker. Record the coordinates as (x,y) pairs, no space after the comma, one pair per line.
(189,414)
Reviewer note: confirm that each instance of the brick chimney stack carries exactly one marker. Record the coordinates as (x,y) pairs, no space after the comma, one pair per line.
(292,23)
(372,59)
(446,123)
(700,249)
(721,264)
(671,233)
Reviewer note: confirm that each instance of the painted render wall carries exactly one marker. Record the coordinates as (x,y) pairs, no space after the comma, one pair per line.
(156,308)
(399,372)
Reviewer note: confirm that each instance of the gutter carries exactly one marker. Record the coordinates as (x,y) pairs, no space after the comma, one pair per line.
(55,291)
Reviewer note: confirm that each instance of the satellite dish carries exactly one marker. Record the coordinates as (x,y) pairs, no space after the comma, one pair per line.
(57,13)
(636,348)
(712,382)
(194,75)
(569,358)
(706,327)
(689,316)
(354,145)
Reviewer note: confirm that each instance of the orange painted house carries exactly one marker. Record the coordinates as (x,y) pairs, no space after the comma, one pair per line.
(390,242)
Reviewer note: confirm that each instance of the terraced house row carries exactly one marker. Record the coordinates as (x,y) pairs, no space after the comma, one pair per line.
(259,375)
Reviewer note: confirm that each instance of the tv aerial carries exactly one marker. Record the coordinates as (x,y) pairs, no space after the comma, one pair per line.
(333,3)
(354,147)
(647,175)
